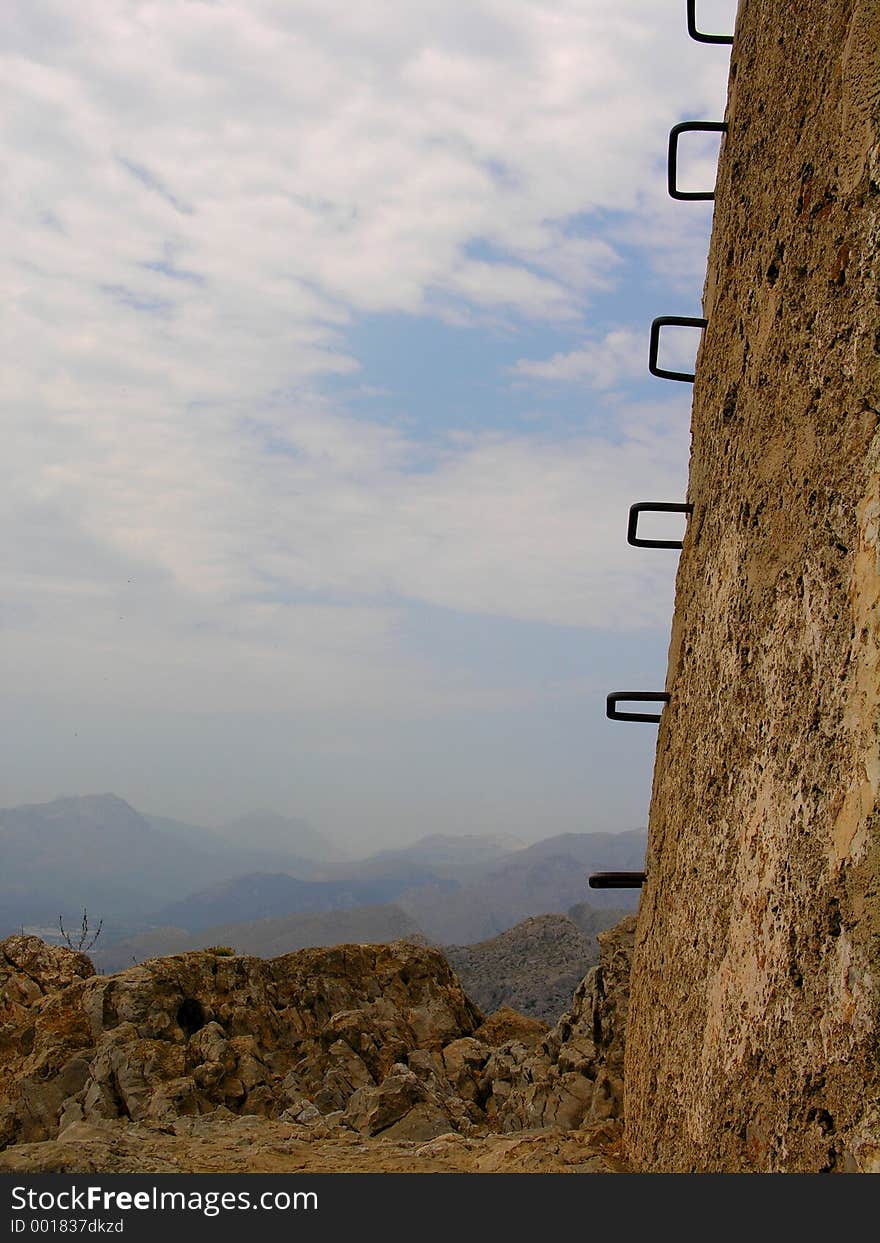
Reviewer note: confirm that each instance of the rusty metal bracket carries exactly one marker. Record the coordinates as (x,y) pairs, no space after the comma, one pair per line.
(678,321)
(646,696)
(698,35)
(653,507)
(617,880)
(688,127)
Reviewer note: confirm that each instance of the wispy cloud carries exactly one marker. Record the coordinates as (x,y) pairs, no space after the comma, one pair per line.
(603,364)
(320,162)
(152,182)
(230,186)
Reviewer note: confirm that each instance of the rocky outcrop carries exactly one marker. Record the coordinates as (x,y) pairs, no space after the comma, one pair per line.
(30,970)
(533,967)
(574,1077)
(188,1034)
(756,978)
(377,1041)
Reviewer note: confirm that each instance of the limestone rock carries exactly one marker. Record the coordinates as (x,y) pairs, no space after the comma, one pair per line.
(29,969)
(574,1076)
(507,1024)
(184,1035)
(401,1107)
(374,1041)
(756,977)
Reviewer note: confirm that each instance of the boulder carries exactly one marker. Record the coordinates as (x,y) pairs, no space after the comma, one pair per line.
(573,1077)
(181,1036)
(378,1040)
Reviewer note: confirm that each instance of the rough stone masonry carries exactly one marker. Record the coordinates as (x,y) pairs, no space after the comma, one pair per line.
(755,1007)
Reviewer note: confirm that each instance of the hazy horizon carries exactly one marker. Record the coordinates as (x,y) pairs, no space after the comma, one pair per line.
(329,401)
(376,842)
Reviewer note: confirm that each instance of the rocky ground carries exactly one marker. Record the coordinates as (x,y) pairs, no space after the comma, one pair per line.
(248,1145)
(353,1058)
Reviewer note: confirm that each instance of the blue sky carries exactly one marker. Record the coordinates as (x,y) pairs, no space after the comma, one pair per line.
(330,398)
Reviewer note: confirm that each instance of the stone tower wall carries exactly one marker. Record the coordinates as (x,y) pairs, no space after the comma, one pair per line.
(755,1010)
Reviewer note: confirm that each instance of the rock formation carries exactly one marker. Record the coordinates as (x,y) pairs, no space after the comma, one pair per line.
(368,1041)
(756,978)
(533,967)
(574,1076)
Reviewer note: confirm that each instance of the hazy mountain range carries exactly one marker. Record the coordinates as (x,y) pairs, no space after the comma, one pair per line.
(267,884)
(99,852)
(266,938)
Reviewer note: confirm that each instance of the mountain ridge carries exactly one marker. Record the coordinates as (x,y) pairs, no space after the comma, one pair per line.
(139,872)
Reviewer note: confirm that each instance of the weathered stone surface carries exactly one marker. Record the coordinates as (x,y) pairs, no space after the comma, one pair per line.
(237,1145)
(29,969)
(181,1036)
(506,1024)
(405,1106)
(756,981)
(378,1041)
(574,1076)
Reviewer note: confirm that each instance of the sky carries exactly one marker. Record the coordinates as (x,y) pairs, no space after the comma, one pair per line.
(326,397)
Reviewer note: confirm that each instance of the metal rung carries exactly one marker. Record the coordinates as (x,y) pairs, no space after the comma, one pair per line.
(688,127)
(677,321)
(647,696)
(653,507)
(617,880)
(698,34)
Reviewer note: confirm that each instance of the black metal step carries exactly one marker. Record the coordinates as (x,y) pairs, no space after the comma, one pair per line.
(617,880)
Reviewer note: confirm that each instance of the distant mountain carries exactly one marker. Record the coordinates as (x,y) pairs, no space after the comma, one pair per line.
(448,850)
(249,855)
(157,943)
(182,831)
(601,852)
(264,895)
(138,872)
(260,895)
(533,967)
(592,920)
(549,876)
(97,851)
(267,831)
(439,857)
(73,852)
(267,938)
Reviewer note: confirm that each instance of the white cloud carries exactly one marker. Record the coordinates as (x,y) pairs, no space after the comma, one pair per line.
(522,526)
(619,355)
(281,146)
(201,197)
